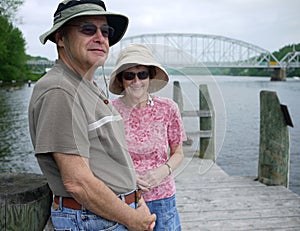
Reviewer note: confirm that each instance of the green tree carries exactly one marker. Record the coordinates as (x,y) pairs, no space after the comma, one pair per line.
(12,52)
(283,51)
(9,8)
(286,49)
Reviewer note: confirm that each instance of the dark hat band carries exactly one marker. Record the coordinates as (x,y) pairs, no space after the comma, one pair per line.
(70,12)
(63,6)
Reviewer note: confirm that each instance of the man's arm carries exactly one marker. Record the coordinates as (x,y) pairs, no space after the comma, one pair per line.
(94,195)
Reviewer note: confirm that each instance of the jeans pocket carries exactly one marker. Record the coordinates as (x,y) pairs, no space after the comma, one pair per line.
(93,222)
(64,223)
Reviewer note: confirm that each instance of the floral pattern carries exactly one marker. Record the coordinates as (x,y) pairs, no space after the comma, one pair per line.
(150,130)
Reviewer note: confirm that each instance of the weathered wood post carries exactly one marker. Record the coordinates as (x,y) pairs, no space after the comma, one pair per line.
(207,125)
(206,117)
(25,201)
(274,152)
(177,95)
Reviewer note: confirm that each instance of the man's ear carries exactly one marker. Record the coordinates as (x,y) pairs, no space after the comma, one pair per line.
(59,38)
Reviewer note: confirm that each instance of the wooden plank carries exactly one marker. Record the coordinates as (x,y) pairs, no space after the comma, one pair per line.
(196,113)
(192,204)
(277,223)
(235,192)
(258,213)
(201,133)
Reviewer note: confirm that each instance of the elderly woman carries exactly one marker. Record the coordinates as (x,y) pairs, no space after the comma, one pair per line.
(153,128)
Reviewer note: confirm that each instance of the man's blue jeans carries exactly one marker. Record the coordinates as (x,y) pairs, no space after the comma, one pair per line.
(82,220)
(167,217)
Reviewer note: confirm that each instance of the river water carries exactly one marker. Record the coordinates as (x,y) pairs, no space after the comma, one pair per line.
(236,101)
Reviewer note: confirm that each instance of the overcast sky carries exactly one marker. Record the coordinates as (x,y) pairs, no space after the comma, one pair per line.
(270,24)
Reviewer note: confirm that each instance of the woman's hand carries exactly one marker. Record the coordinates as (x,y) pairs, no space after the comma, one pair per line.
(143,185)
(152,178)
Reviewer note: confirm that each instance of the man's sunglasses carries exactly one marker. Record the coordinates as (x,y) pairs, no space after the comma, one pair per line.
(90,29)
(131,75)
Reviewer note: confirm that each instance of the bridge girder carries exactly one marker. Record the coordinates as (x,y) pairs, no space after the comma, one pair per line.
(194,50)
(39,66)
(291,59)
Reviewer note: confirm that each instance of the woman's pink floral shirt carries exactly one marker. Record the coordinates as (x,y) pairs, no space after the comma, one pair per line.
(150,131)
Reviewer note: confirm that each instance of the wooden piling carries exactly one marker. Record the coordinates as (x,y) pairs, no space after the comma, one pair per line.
(207,123)
(177,95)
(25,201)
(206,117)
(274,152)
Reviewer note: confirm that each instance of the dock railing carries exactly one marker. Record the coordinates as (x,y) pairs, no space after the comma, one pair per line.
(206,115)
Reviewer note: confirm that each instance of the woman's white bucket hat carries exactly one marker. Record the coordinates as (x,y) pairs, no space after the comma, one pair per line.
(137,54)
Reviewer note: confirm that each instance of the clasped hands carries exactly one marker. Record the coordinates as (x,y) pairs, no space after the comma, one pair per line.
(151,179)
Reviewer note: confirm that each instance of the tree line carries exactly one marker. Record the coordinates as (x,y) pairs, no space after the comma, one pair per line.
(12,44)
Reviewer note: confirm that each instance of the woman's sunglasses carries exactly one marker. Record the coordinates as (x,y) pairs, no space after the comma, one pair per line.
(131,75)
(91,29)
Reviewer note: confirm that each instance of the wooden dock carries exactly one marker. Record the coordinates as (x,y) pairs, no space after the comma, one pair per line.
(209,199)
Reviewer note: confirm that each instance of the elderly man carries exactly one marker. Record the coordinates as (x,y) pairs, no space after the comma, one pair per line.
(77,135)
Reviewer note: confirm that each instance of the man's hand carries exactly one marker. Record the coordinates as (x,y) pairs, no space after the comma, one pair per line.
(143,218)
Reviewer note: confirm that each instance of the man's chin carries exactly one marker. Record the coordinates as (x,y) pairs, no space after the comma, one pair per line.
(99,61)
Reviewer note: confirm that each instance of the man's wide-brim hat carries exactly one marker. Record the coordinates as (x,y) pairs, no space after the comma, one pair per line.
(133,55)
(70,9)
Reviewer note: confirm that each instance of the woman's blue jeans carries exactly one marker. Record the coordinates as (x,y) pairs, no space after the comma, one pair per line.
(82,220)
(167,217)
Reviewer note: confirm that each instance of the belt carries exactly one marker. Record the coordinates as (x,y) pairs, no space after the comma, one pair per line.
(131,197)
(67,202)
(70,203)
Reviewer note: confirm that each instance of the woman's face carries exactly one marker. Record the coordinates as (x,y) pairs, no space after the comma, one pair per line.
(136,88)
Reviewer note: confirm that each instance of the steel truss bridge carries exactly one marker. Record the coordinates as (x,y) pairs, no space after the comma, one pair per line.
(39,66)
(177,50)
(196,50)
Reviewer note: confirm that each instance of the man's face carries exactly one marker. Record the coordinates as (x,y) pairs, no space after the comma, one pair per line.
(84,47)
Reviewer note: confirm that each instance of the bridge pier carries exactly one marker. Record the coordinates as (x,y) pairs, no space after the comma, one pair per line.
(278,74)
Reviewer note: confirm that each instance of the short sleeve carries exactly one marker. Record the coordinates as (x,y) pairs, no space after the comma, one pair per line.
(61,125)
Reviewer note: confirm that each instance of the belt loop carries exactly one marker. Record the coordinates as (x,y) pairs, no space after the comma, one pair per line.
(83,209)
(136,199)
(60,203)
(122,196)
(137,195)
